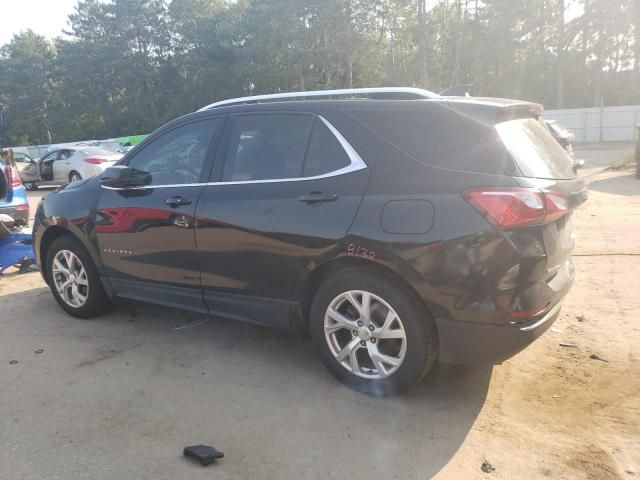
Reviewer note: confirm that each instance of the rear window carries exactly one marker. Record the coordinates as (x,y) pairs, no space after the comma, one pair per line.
(535,151)
(97,151)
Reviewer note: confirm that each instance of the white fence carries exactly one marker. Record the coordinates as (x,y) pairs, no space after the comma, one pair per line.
(607,124)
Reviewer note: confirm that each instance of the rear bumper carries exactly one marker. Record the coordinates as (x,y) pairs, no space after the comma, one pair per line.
(20,216)
(472,343)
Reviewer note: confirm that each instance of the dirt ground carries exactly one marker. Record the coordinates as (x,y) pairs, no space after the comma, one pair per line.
(120,396)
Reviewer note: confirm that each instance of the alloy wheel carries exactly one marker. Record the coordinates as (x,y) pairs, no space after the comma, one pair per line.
(365,334)
(70,278)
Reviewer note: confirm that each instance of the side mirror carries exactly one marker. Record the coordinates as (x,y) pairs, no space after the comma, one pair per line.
(121,176)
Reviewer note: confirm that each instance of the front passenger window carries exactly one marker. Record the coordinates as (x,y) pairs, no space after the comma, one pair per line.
(178,156)
(267,147)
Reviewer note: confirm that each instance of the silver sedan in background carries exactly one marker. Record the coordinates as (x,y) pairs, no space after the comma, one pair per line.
(66,165)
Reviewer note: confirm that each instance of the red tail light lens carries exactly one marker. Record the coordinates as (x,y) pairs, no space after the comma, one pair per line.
(516,207)
(95,160)
(13,177)
(556,205)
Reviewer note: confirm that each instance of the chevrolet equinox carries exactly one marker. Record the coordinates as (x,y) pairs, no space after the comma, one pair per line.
(392,225)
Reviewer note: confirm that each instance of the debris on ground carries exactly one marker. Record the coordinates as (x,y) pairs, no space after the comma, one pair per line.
(580,318)
(556,330)
(568,345)
(593,356)
(13,362)
(182,320)
(38,352)
(487,467)
(203,453)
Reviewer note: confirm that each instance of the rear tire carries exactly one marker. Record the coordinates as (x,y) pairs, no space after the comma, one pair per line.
(75,177)
(73,279)
(387,360)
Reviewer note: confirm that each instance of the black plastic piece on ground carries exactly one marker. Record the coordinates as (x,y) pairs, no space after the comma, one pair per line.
(204,454)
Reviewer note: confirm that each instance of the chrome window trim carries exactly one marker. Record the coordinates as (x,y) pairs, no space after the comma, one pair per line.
(356,163)
(147,187)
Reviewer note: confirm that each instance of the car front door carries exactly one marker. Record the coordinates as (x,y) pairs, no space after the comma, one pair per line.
(285,189)
(146,234)
(29,172)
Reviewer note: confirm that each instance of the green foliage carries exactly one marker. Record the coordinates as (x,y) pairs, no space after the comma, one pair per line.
(127,66)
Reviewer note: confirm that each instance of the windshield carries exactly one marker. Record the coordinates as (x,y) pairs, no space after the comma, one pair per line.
(534,150)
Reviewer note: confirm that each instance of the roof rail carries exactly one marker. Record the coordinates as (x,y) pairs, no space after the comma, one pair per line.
(377,93)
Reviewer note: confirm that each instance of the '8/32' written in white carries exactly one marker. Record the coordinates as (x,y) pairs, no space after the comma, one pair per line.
(359,251)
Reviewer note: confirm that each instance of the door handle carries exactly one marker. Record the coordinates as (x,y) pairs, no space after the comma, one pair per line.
(177,201)
(318,197)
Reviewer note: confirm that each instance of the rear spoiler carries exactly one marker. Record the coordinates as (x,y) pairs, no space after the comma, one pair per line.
(495,110)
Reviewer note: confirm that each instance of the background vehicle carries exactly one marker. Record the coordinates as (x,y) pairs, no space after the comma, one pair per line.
(21,160)
(393,229)
(60,167)
(13,198)
(563,136)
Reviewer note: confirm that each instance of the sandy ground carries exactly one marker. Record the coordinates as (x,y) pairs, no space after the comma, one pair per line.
(119,397)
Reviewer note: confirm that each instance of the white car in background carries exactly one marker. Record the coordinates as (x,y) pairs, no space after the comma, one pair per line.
(66,165)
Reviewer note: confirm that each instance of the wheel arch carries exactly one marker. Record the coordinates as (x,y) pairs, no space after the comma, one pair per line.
(54,232)
(306,288)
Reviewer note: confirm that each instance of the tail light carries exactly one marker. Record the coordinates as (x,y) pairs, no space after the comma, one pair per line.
(517,207)
(13,177)
(22,207)
(95,160)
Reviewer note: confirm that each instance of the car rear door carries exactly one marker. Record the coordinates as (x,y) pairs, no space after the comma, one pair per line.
(146,234)
(285,189)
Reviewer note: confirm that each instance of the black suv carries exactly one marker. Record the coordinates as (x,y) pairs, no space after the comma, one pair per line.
(394,226)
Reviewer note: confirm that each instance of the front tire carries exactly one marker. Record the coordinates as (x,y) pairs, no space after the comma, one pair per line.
(73,279)
(371,333)
(31,186)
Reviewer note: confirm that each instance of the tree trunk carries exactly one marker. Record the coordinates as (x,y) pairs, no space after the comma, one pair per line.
(422,17)
(350,36)
(560,57)
(45,122)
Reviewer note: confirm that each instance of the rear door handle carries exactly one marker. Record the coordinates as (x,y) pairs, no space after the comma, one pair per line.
(318,197)
(177,201)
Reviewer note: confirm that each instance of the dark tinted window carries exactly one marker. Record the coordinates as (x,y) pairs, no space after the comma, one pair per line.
(325,152)
(268,146)
(178,156)
(436,135)
(535,151)
(50,157)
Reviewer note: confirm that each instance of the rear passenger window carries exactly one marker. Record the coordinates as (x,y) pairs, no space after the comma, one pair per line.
(264,147)
(325,152)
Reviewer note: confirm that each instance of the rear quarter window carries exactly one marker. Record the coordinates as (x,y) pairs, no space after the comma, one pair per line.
(534,150)
(435,135)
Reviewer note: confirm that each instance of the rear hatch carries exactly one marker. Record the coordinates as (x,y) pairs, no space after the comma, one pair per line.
(545,165)
(537,213)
